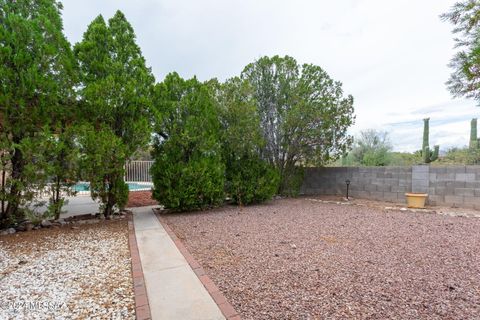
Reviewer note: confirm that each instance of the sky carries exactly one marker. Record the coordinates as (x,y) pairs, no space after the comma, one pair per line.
(392,56)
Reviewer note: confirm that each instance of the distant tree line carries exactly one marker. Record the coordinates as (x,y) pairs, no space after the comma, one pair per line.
(70,114)
(373,148)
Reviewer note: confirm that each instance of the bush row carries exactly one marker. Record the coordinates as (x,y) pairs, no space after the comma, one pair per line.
(206,146)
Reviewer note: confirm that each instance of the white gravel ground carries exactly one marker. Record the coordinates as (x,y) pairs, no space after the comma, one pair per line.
(67,274)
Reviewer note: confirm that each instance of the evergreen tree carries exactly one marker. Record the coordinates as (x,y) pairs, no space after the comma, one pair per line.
(249,178)
(188,172)
(37,70)
(62,166)
(116,97)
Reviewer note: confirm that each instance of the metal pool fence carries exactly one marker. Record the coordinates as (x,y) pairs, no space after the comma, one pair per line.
(138,171)
(137,175)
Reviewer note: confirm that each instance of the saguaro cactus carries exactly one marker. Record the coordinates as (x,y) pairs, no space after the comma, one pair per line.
(427,154)
(474,141)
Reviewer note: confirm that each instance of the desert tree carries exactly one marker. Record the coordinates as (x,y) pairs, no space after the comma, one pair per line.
(304,115)
(372,148)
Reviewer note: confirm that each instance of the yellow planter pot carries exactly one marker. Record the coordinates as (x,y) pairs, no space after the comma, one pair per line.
(416,200)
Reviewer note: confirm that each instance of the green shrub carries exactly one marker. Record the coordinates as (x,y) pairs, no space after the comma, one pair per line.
(195,184)
(251,180)
(188,172)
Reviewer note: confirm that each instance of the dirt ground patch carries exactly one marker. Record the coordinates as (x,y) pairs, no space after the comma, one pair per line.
(302,259)
(67,273)
(140,199)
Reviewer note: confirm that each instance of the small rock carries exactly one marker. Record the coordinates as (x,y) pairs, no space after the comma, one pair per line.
(46,224)
(7,231)
(61,221)
(75,227)
(293,246)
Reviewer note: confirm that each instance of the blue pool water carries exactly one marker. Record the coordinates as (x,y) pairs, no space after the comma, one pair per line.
(83,186)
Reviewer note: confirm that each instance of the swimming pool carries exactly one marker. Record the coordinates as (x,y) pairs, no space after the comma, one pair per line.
(132,186)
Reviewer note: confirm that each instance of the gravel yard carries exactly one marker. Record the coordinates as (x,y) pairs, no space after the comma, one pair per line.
(65,273)
(301,259)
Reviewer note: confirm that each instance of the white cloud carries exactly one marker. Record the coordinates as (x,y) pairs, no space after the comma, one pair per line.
(391,56)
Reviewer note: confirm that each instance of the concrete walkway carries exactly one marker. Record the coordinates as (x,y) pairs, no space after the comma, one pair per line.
(82,204)
(76,205)
(173,289)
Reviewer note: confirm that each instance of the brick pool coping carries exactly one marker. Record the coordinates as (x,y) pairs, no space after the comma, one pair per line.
(225,307)
(142,307)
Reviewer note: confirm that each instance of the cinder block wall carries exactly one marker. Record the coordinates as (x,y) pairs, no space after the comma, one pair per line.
(455,186)
(378,183)
(449,186)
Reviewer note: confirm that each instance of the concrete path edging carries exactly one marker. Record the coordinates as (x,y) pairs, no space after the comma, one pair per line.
(174,290)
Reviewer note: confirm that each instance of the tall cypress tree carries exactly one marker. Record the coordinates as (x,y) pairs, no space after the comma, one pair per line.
(36,74)
(116,97)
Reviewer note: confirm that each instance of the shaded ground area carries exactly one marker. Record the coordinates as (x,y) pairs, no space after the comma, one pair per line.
(301,259)
(67,273)
(140,199)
